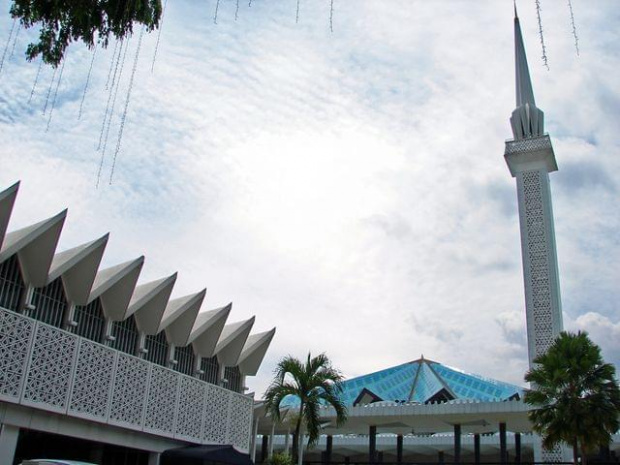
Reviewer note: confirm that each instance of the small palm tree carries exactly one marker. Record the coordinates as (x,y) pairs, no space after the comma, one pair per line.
(313,384)
(575,393)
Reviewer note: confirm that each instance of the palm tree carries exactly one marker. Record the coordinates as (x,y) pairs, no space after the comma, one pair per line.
(575,393)
(313,384)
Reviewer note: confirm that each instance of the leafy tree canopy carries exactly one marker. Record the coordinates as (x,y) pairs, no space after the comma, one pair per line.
(575,395)
(65,21)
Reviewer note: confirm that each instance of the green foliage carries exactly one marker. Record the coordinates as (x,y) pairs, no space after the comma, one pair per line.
(280,458)
(575,394)
(313,383)
(64,21)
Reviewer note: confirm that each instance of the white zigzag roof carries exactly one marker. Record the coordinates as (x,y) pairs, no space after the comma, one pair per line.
(207,330)
(78,268)
(148,303)
(180,316)
(7,200)
(121,296)
(232,340)
(254,351)
(35,246)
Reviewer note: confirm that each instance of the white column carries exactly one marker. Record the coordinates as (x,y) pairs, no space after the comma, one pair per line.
(287,441)
(253,451)
(530,161)
(8,443)
(273,432)
(154,458)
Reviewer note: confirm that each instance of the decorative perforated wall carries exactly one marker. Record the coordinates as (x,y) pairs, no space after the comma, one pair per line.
(530,144)
(48,377)
(15,340)
(47,368)
(537,260)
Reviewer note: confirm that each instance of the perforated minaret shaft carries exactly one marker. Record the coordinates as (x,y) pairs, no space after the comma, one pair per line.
(530,158)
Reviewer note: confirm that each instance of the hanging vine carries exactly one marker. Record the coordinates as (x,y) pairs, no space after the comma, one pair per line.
(6,47)
(90,70)
(19,28)
(49,91)
(36,80)
(124,116)
(217,7)
(161,25)
(112,61)
(108,124)
(110,94)
(572,21)
(540,32)
(49,120)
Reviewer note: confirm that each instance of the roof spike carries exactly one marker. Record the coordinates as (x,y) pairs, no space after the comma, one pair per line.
(514,2)
(525,92)
(526,120)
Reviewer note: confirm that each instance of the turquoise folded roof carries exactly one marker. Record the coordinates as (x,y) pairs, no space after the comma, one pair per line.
(422,381)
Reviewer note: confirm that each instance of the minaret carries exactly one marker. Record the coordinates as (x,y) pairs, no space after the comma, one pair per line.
(530,159)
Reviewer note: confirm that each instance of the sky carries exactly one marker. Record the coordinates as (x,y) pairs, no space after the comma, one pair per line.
(347,187)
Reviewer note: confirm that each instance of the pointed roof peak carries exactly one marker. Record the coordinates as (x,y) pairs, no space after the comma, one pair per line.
(516,14)
(525,91)
(527,120)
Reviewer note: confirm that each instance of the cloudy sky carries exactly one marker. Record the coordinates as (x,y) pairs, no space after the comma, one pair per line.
(347,187)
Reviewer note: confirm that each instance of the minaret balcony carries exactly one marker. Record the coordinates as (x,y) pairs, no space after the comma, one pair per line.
(530,153)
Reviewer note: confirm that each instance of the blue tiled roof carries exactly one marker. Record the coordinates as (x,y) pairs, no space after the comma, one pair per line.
(423,381)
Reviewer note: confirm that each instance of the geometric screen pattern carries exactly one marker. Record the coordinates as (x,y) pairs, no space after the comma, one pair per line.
(540,316)
(47,368)
(422,381)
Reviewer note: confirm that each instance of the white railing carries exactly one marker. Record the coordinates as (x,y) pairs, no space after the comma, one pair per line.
(50,369)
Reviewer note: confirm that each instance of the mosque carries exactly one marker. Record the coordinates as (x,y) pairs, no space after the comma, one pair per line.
(95,366)
(425,412)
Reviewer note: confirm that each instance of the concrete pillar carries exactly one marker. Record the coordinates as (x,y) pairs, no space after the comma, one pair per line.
(399,448)
(8,443)
(273,432)
(518,448)
(477,449)
(441,457)
(328,449)
(264,446)
(457,443)
(372,444)
(287,441)
(153,458)
(503,456)
(253,442)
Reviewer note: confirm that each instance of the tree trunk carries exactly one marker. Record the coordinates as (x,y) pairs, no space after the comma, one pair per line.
(575,452)
(297,441)
(294,447)
(300,460)
(584,457)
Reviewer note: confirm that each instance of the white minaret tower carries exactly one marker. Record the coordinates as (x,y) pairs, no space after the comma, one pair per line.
(530,158)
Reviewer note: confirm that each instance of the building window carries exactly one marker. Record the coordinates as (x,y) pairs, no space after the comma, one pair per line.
(126,334)
(234,378)
(185,359)
(157,347)
(50,303)
(90,321)
(211,369)
(11,284)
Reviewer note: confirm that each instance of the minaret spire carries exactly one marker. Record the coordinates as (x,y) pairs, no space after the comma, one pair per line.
(527,120)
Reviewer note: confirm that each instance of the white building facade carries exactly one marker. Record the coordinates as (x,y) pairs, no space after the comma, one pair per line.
(106,365)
